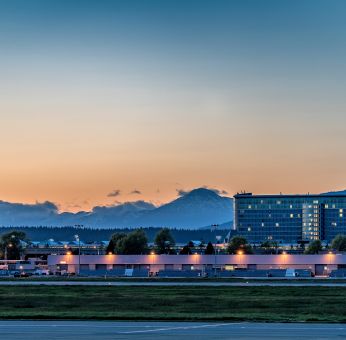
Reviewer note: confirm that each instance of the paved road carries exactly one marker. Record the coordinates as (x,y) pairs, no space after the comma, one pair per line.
(93,330)
(150,283)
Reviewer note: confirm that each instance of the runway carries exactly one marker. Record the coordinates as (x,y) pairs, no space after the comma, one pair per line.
(177,283)
(93,330)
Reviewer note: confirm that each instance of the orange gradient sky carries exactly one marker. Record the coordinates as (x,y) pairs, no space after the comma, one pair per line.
(125,96)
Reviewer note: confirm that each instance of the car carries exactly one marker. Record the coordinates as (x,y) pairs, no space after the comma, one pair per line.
(22,274)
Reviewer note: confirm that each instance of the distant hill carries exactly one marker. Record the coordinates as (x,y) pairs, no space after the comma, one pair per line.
(198,208)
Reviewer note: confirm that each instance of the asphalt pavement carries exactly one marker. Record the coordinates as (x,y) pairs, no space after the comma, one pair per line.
(95,330)
(287,283)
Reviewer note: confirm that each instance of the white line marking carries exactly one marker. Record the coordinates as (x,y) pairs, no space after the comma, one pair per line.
(181,327)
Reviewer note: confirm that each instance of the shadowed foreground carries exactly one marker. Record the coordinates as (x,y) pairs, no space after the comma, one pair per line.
(287,304)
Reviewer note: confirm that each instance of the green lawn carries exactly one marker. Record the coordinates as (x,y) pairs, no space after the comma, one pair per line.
(306,280)
(287,304)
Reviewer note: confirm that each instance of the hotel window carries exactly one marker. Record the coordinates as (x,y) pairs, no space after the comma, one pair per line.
(334,224)
(249,229)
(249,206)
(277,224)
(291,206)
(262,224)
(326,206)
(291,215)
(278,202)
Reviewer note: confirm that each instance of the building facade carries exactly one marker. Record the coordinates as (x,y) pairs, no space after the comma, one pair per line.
(322,264)
(289,218)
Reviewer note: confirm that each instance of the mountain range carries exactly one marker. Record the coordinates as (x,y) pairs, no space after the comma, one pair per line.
(195,209)
(199,208)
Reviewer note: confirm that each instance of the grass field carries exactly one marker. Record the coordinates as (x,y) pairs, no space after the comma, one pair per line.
(285,304)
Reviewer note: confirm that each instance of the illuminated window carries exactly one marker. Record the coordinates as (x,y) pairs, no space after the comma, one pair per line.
(277,224)
(291,215)
(262,224)
(249,229)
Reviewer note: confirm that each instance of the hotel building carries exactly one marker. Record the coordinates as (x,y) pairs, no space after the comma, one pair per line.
(289,218)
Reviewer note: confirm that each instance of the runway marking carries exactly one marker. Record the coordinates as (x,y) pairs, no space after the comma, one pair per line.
(234,324)
(181,327)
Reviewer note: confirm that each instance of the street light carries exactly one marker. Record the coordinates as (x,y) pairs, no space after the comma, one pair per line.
(78,226)
(6,247)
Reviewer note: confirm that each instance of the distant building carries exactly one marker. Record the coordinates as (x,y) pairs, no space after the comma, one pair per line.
(289,218)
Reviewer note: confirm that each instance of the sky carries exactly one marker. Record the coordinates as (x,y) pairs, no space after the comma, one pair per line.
(111,101)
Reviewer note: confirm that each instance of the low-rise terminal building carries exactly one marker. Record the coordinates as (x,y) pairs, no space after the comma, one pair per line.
(153,264)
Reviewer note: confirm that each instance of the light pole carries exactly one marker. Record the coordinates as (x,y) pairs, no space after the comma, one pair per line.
(79,226)
(213,228)
(7,246)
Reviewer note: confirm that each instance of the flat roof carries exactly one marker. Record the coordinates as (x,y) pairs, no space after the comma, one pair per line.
(249,195)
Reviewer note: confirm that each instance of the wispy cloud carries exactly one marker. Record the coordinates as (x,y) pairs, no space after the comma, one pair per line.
(114,193)
(136,192)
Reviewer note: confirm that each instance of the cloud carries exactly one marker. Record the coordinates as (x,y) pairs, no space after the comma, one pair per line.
(136,192)
(182,192)
(217,191)
(114,193)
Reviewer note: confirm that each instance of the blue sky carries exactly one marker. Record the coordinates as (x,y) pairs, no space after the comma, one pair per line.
(99,96)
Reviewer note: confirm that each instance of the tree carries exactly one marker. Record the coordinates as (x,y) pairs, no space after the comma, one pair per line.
(239,244)
(113,243)
(134,243)
(11,244)
(186,250)
(269,247)
(210,249)
(314,247)
(111,247)
(164,241)
(339,243)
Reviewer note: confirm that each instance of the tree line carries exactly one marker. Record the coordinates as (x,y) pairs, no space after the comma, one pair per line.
(136,243)
(43,233)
